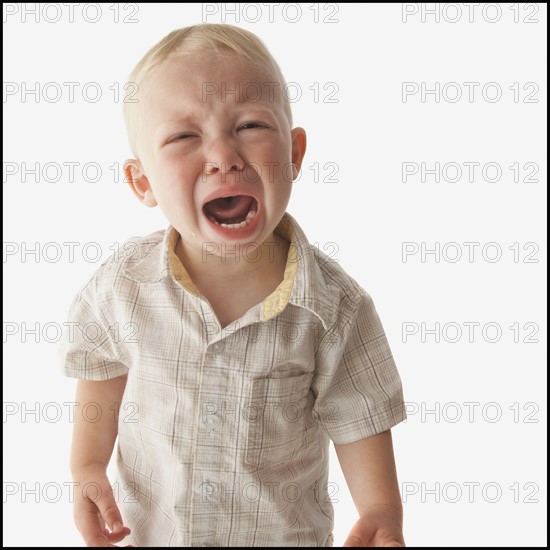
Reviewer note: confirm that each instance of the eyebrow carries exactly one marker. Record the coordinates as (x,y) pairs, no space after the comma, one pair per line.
(186,118)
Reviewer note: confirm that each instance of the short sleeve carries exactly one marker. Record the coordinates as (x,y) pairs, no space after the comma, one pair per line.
(357,385)
(89,348)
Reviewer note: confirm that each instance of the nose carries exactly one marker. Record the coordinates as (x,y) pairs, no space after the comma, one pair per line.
(224,158)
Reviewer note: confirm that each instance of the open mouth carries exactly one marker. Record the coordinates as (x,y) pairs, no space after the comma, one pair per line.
(234,212)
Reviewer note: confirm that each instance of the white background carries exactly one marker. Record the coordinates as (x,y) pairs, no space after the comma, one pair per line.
(368,213)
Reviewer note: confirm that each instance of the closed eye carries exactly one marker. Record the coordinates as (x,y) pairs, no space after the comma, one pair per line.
(252,125)
(182,136)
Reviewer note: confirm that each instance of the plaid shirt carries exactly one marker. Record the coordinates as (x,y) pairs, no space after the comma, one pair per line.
(224,432)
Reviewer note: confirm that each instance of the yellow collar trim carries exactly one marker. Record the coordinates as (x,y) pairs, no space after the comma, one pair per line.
(277,300)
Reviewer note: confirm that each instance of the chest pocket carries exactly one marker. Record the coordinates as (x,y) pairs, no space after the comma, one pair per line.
(278,416)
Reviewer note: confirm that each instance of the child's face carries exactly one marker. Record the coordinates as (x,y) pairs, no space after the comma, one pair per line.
(210,129)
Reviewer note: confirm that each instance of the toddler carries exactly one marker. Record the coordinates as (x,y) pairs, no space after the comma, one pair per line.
(225,352)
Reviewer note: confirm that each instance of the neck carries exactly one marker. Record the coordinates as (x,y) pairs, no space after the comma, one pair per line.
(236,263)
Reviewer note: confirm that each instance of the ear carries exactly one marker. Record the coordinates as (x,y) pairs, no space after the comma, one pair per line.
(138,182)
(299,142)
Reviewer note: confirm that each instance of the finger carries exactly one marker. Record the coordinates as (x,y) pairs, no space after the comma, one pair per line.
(394,543)
(116,537)
(361,533)
(105,502)
(391,538)
(353,540)
(387,540)
(90,529)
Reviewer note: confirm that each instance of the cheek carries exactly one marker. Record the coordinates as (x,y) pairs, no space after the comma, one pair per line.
(277,150)
(274,161)
(174,185)
(178,173)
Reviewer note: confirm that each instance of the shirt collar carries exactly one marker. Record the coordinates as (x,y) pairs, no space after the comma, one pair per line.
(303,284)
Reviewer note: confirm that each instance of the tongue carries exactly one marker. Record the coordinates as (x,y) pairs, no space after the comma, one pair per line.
(229,208)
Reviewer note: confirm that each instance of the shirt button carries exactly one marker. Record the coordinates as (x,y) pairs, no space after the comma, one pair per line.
(212,422)
(216,347)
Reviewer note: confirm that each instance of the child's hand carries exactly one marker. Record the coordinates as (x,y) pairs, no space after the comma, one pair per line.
(379,526)
(95,507)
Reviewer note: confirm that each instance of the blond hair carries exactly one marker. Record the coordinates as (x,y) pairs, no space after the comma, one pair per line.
(212,38)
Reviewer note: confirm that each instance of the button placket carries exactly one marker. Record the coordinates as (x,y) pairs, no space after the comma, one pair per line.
(211,425)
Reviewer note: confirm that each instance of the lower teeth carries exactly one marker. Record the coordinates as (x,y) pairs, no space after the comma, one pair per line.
(240,225)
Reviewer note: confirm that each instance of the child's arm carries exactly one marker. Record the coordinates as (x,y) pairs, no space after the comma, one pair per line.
(92,446)
(369,470)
